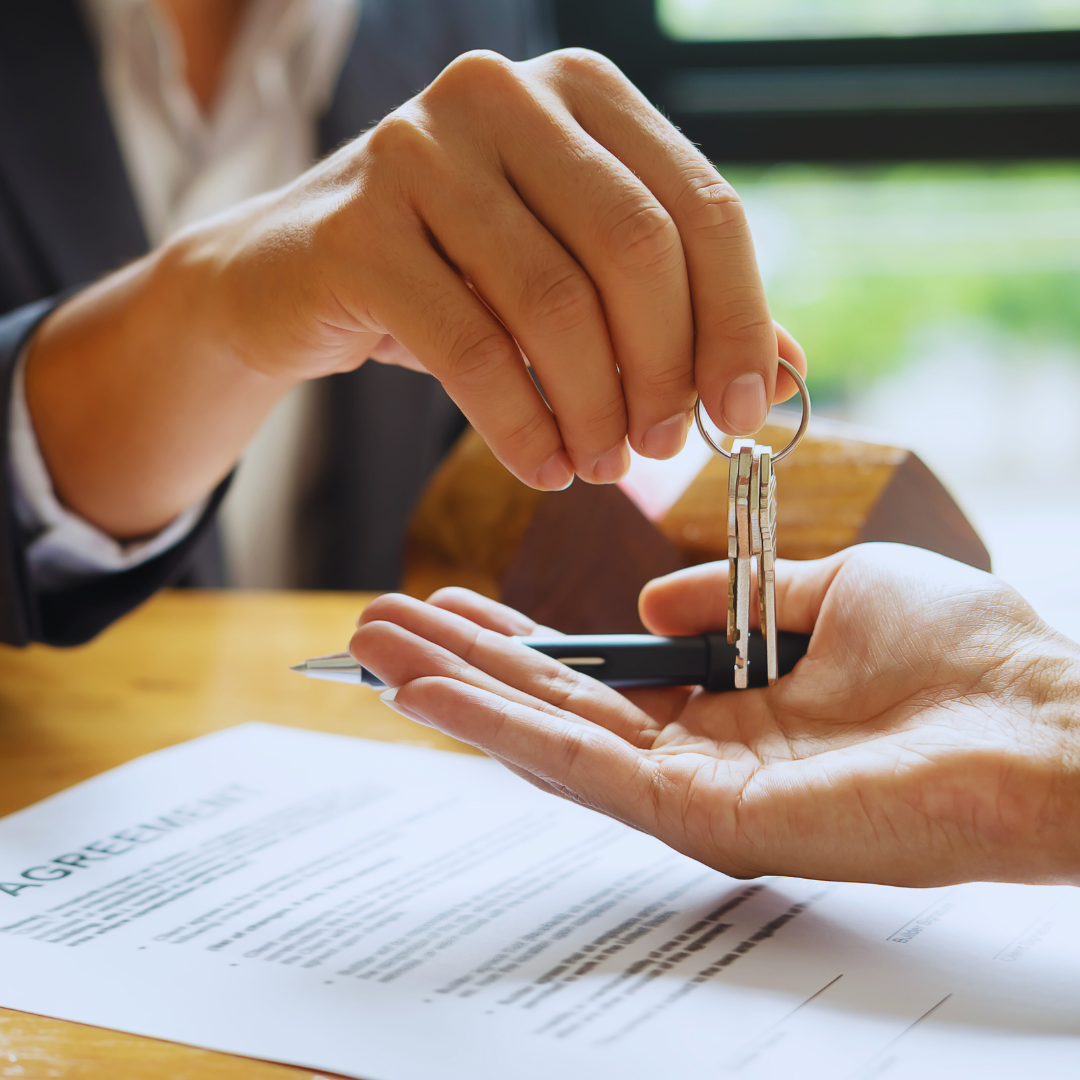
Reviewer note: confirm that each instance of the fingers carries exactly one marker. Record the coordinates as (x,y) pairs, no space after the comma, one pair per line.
(546,208)
(663,704)
(736,346)
(581,762)
(398,656)
(407,288)
(694,601)
(731,814)
(548,303)
(858,813)
(471,353)
(402,639)
(690,601)
(635,285)
(487,613)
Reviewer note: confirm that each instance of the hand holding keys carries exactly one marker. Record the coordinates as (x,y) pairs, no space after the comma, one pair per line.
(751,518)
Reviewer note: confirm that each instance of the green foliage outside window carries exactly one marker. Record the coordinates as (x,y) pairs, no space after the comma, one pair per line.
(860,262)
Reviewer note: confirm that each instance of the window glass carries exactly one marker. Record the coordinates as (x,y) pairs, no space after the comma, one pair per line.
(940,306)
(736,20)
(865,263)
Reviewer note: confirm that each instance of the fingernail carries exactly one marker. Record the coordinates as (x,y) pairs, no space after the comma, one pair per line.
(666,440)
(612,466)
(389,697)
(744,405)
(556,473)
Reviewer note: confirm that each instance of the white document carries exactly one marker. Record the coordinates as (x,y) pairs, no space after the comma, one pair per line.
(395,913)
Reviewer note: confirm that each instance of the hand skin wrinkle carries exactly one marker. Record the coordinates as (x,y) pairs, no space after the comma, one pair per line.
(949,752)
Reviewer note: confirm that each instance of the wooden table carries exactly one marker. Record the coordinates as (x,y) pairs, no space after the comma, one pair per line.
(186,664)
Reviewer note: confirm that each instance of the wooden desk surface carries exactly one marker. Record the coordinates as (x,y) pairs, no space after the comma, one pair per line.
(186,664)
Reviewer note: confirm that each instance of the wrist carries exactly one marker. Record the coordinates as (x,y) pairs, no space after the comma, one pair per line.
(138,409)
(1044,673)
(191,289)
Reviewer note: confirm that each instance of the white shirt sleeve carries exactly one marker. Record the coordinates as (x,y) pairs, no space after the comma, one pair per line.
(65,550)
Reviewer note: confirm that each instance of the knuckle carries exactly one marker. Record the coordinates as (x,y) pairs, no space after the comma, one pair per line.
(643,238)
(744,315)
(560,685)
(562,299)
(712,209)
(672,379)
(478,354)
(521,434)
(608,413)
(479,72)
(583,64)
(399,136)
(595,430)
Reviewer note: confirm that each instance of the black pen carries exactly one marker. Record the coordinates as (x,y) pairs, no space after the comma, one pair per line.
(622,660)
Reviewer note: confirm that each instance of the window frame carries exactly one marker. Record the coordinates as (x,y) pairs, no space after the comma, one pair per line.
(929,121)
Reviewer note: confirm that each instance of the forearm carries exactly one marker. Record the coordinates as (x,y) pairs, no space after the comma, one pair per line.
(477,223)
(140,405)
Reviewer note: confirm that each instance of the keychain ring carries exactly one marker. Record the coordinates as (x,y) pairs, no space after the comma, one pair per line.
(795,439)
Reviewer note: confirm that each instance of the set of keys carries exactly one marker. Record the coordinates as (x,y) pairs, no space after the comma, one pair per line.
(751,536)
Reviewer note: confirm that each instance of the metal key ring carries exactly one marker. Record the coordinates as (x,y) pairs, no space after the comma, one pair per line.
(795,439)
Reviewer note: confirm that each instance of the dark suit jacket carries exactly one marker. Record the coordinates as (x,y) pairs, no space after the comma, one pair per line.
(67,216)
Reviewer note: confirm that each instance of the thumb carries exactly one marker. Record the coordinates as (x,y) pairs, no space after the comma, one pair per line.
(694,601)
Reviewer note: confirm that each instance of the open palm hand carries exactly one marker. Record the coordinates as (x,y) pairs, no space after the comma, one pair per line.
(927,737)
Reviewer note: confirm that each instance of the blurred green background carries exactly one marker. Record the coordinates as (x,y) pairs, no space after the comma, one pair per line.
(863,263)
(867,264)
(911,173)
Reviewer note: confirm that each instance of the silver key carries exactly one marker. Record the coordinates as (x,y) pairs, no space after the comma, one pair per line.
(766,566)
(755,501)
(751,532)
(744,537)
(732,542)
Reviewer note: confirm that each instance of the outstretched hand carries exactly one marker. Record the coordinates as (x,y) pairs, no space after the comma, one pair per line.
(929,736)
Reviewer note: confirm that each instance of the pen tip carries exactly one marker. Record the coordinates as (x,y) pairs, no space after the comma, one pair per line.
(298,667)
